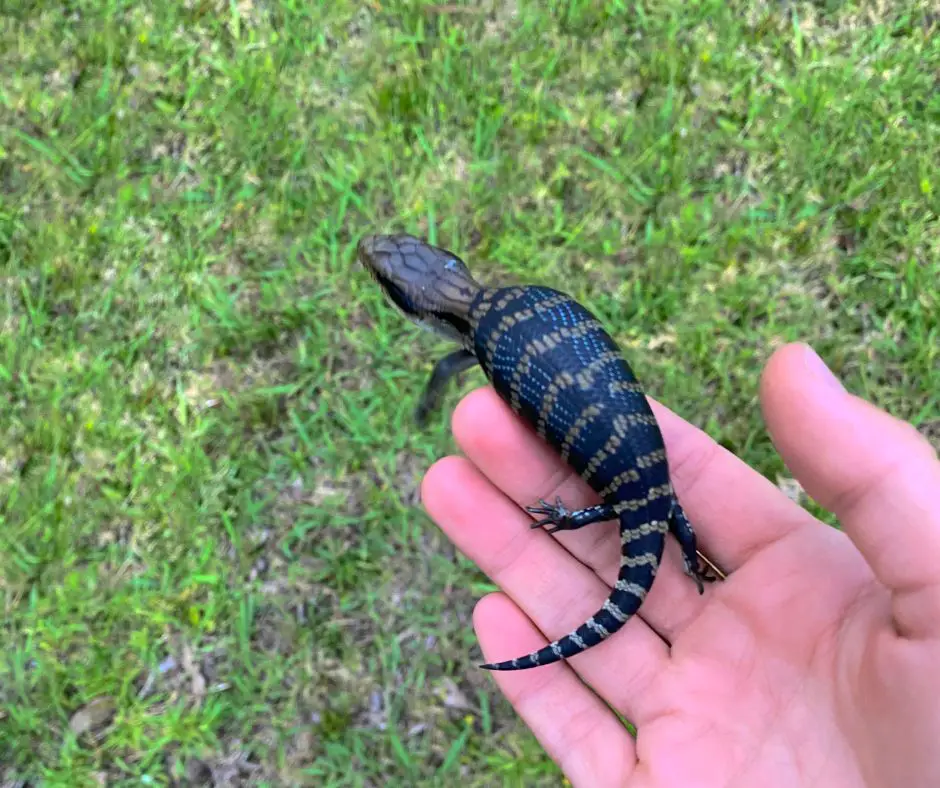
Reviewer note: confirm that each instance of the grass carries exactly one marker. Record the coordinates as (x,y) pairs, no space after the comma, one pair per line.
(213,563)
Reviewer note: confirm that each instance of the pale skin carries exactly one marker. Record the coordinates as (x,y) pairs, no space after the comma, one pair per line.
(816,663)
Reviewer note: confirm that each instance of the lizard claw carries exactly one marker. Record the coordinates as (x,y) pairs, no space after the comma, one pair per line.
(545,508)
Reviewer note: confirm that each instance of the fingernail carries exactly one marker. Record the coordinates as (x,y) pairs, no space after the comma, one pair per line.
(818,369)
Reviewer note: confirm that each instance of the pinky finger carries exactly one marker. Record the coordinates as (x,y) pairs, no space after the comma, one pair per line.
(577,729)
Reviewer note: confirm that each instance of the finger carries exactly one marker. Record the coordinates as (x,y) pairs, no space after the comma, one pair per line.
(527,469)
(737,511)
(556,591)
(574,726)
(877,474)
(730,527)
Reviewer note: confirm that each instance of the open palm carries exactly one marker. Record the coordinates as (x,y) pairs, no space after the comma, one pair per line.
(817,662)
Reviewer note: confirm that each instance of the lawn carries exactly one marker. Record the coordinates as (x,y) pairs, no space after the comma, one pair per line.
(213,559)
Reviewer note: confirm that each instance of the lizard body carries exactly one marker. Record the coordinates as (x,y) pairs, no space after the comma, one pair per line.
(554,364)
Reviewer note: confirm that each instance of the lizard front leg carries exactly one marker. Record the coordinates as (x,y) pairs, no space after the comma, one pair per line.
(452,364)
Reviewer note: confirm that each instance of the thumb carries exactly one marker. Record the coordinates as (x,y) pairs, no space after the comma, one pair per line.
(877,474)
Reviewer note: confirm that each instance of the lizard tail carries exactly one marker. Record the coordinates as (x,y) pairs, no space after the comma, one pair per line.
(641,557)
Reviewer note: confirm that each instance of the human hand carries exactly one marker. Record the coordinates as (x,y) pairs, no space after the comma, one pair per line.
(817,662)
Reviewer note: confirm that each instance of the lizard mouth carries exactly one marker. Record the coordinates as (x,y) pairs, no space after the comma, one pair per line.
(400,298)
(438,321)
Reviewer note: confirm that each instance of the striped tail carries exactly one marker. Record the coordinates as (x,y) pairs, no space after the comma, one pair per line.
(642,550)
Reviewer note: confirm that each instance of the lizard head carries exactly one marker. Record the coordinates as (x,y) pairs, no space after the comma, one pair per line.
(431,286)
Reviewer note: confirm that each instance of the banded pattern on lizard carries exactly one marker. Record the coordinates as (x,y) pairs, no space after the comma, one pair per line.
(554,364)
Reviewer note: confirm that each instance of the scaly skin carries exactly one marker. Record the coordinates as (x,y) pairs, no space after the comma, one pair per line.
(558,369)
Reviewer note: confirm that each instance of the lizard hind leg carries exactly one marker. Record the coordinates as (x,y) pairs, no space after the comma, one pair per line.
(682,530)
(564,519)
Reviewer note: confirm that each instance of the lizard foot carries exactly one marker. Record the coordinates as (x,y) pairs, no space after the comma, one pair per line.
(558,515)
(696,573)
(707,571)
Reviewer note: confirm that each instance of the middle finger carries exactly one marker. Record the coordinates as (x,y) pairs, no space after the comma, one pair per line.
(526,469)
